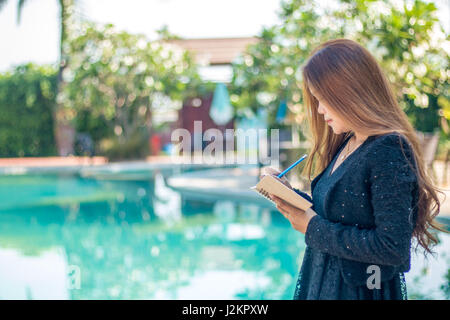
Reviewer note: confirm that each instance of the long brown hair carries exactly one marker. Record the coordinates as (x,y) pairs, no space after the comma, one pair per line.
(353,84)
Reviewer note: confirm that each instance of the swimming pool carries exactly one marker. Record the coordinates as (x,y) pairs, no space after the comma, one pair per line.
(66,236)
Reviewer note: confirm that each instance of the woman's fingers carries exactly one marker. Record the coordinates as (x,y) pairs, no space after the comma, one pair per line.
(269,171)
(280,202)
(280,206)
(282,180)
(286,207)
(285,214)
(298,218)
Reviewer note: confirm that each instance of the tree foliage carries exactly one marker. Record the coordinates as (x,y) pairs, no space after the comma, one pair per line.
(27,100)
(122,79)
(66,20)
(405,37)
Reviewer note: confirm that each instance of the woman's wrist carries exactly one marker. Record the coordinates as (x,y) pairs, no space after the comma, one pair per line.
(309,214)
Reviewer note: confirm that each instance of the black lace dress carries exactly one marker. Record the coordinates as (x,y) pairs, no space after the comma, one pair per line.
(320,278)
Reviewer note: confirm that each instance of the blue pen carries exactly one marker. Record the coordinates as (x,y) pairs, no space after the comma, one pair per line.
(292,165)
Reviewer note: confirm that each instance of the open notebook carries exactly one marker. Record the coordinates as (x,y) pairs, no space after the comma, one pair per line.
(270,185)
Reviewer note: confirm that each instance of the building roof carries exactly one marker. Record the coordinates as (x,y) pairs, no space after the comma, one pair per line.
(212,51)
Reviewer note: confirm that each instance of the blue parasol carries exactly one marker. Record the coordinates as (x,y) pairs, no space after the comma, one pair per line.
(281,113)
(221,110)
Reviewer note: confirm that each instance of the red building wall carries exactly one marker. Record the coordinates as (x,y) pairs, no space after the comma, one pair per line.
(190,113)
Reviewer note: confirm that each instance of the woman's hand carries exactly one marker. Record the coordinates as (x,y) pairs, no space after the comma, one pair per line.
(274,172)
(298,218)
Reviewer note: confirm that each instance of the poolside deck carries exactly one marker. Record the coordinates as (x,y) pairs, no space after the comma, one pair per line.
(52,161)
(231,184)
(213,182)
(234,183)
(100,167)
(69,161)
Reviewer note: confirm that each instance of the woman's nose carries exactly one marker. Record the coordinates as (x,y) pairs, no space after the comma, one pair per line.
(320,109)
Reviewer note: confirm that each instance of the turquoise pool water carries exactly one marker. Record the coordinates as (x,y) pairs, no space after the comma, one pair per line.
(130,237)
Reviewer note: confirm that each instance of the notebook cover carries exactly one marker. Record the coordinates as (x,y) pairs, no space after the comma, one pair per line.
(270,185)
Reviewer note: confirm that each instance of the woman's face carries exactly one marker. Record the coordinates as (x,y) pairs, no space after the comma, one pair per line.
(332,119)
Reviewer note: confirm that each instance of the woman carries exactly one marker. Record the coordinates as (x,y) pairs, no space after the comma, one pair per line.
(372,195)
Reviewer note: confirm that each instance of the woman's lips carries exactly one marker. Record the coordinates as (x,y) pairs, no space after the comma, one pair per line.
(329,120)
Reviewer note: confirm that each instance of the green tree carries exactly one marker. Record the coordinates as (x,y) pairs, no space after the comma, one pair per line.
(27,100)
(405,37)
(411,45)
(123,79)
(66,9)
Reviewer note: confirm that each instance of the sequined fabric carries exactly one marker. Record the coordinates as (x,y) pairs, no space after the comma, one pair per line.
(365,216)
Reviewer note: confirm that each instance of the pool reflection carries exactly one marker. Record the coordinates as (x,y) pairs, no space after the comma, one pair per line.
(138,239)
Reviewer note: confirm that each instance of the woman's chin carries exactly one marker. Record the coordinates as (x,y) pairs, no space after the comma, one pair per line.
(336,130)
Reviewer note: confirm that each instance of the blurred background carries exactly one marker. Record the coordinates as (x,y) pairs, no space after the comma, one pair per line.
(93,202)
